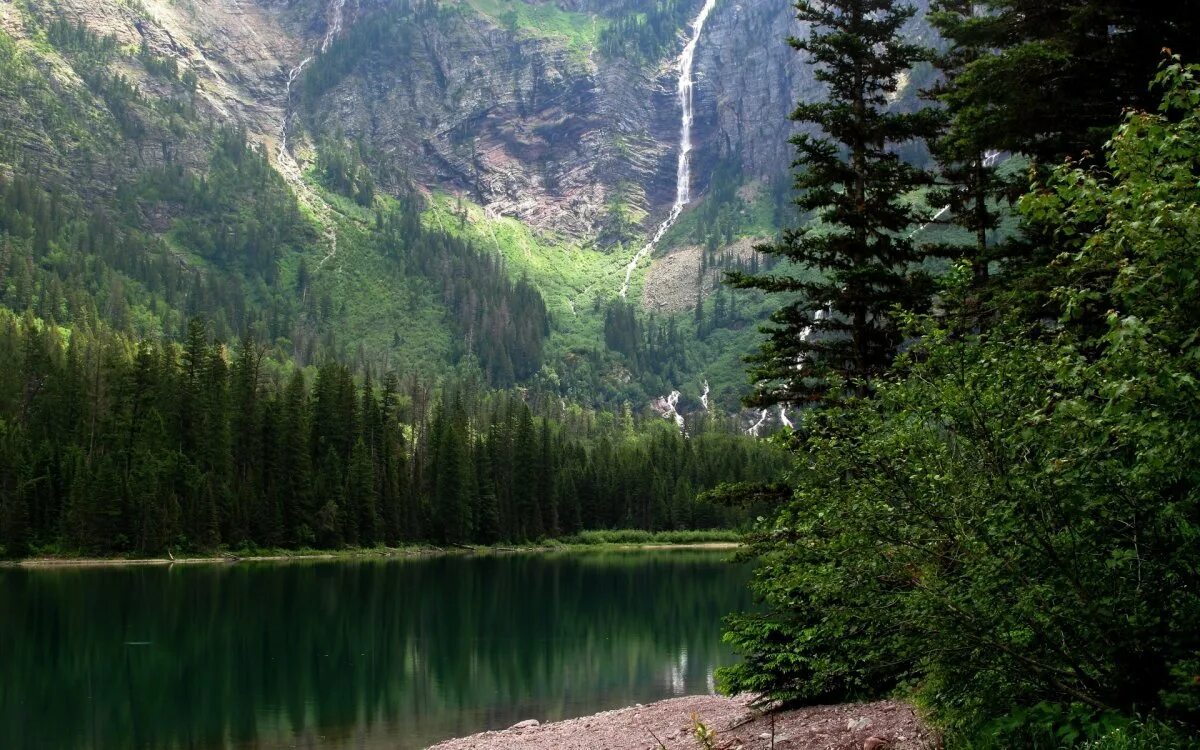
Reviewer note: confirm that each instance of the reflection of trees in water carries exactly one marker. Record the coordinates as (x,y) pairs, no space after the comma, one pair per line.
(254,652)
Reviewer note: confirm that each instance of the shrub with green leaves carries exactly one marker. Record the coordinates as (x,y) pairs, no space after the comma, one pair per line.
(1013,521)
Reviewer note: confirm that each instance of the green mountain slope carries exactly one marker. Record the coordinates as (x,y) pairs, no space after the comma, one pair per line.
(452,194)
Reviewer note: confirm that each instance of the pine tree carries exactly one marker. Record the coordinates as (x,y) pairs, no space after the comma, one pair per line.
(1059,73)
(968,178)
(395,471)
(487,514)
(296,464)
(330,493)
(1047,79)
(247,449)
(453,480)
(14,510)
(546,488)
(527,504)
(360,495)
(853,183)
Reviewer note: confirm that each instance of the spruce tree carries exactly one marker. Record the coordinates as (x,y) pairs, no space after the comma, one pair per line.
(300,512)
(526,457)
(360,494)
(453,476)
(856,248)
(1046,79)
(487,507)
(968,181)
(546,489)
(395,470)
(1059,73)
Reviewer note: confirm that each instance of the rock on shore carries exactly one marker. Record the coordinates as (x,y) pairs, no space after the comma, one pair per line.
(885,725)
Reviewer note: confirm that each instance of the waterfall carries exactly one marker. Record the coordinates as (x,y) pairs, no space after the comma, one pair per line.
(668,407)
(783,418)
(757,427)
(704,396)
(335,28)
(293,74)
(683,167)
(335,25)
(990,159)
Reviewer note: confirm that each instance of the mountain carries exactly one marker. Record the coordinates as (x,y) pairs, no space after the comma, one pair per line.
(409,185)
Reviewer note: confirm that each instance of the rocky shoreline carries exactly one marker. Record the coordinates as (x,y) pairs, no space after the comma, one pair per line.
(669,725)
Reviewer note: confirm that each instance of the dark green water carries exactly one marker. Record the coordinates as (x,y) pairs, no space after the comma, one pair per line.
(387,654)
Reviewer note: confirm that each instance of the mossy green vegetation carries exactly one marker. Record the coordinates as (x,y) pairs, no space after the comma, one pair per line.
(645,32)
(580,285)
(732,208)
(571,275)
(578,32)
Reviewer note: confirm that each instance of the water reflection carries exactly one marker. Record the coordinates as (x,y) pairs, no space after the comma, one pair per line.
(390,654)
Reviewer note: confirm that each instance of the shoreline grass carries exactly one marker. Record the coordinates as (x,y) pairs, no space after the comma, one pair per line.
(616,540)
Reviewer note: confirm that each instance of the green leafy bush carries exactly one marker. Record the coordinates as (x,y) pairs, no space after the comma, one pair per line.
(1011,526)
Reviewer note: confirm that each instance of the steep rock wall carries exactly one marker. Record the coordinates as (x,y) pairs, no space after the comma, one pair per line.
(528,126)
(751,80)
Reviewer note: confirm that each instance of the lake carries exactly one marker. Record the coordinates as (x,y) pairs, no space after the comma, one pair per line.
(357,654)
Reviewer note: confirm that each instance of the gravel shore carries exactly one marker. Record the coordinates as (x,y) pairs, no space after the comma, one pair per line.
(885,725)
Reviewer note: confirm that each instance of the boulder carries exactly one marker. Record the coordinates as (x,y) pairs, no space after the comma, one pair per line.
(527,724)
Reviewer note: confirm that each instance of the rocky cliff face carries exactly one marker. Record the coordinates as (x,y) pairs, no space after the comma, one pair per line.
(565,138)
(529,125)
(750,81)
(532,122)
(238,53)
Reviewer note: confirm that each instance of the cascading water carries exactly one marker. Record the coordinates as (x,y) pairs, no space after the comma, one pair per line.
(683,168)
(335,24)
(335,28)
(293,74)
(990,159)
(704,396)
(757,427)
(668,407)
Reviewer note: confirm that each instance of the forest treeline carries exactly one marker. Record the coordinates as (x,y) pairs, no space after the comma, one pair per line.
(994,506)
(109,445)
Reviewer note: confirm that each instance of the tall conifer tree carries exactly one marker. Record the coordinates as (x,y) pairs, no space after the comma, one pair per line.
(852,183)
(967,157)
(1047,79)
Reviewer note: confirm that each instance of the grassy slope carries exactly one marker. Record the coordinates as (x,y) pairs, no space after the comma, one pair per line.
(578,282)
(575,281)
(393,314)
(579,32)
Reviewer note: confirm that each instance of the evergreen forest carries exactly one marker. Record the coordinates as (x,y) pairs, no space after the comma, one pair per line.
(115,446)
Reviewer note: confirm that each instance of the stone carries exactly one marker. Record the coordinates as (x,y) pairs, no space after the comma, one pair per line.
(527,724)
(856,725)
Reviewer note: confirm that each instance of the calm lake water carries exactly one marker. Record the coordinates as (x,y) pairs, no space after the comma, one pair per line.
(362,654)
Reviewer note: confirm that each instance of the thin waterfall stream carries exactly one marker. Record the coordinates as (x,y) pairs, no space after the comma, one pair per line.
(683,168)
(334,29)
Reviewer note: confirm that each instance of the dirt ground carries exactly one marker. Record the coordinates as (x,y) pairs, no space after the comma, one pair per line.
(885,725)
